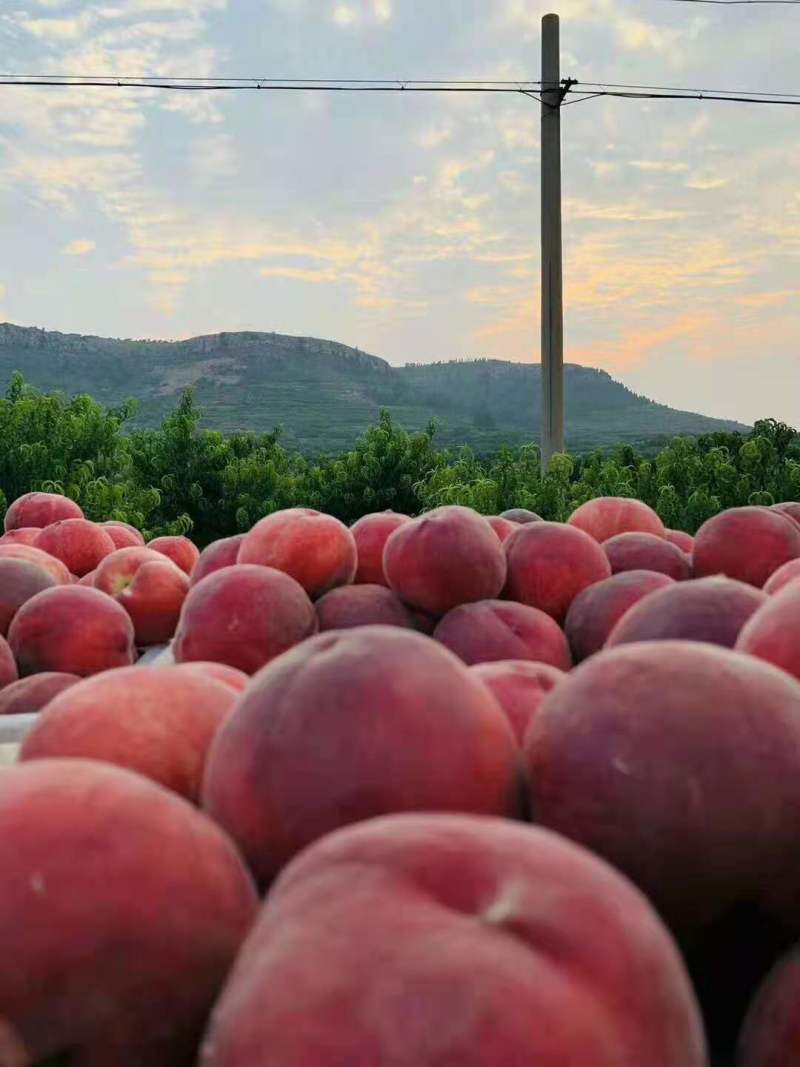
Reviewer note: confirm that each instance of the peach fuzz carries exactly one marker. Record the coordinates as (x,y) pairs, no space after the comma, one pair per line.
(221,672)
(362,605)
(19,581)
(315,550)
(708,609)
(646,552)
(549,563)
(680,764)
(149,586)
(773,632)
(122,535)
(8,664)
(26,535)
(447,557)
(502,527)
(770,1035)
(300,756)
(40,510)
(218,554)
(748,544)
(607,516)
(519,686)
(33,693)
(53,566)
(500,629)
(789,572)
(156,721)
(684,541)
(521,516)
(123,909)
(183,552)
(72,630)
(78,543)
(243,616)
(594,613)
(425,940)
(371,533)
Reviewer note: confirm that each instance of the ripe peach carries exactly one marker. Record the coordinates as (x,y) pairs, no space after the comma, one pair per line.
(789,572)
(229,676)
(749,544)
(371,533)
(678,762)
(149,586)
(31,694)
(550,563)
(333,731)
(72,630)
(770,1035)
(123,535)
(773,632)
(183,552)
(123,908)
(87,579)
(425,940)
(49,563)
(154,720)
(218,554)
(78,543)
(40,510)
(709,609)
(790,508)
(502,527)
(243,616)
(500,629)
(521,516)
(594,613)
(19,581)
(684,541)
(447,557)
(26,535)
(646,552)
(519,686)
(8,664)
(362,605)
(607,516)
(316,550)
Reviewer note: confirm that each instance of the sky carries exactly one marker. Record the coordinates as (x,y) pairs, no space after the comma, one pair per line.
(408,225)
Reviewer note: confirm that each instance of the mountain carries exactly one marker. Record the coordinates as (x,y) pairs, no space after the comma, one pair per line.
(324,394)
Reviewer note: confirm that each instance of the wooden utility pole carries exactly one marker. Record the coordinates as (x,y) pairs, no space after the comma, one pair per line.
(552,299)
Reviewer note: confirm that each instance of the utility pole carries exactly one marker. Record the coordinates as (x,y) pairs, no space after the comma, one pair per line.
(552,298)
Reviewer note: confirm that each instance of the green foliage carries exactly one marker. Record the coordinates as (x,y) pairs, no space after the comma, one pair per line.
(181,478)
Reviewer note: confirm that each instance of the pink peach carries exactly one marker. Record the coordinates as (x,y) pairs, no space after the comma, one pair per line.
(500,629)
(371,533)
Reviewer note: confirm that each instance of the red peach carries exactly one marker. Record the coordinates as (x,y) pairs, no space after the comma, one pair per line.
(789,572)
(447,557)
(502,527)
(684,541)
(26,535)
(8,664)
(770,1035)
(519,686)
(646,552)
(72,630)
(749,544)
(31,694)
(316,550)
(78,543)
(594,613)
(521,516)
(425,940)
(44,560)
(218,554)
(123,535)
(333,731)
(362,605)
(678,762)
(772,633)
(709,609)
(229,676)
(790,508)
(243,616)
(607,516)
(371,532)
(40,510)
(550,563)
(126,526)
(88,579)
(183,552)
(153,720)
(149,586)
(500,629)
(19,581)
(123,908)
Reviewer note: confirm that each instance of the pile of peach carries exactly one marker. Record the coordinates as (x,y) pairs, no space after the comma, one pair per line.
(422,792)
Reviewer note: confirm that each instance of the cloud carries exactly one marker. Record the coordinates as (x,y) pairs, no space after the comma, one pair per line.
(79,247)
(635,346)
(767,300)
(382,9)
(316,277)
(663,166)
(343,15)
(629,211)
(707,182)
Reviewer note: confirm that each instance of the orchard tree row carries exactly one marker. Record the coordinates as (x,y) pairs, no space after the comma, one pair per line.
(181,478)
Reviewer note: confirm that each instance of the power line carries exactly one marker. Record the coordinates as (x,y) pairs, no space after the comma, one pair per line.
(734,3)
(112,79)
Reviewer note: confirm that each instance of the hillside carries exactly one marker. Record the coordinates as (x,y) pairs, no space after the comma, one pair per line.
(324,394)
